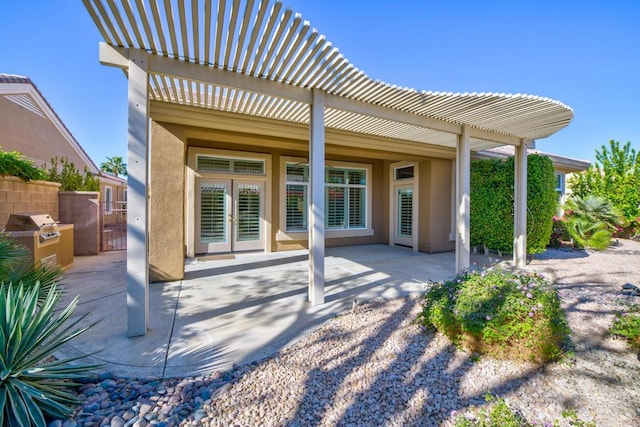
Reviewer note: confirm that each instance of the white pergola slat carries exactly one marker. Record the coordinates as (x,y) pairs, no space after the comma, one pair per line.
(263,60)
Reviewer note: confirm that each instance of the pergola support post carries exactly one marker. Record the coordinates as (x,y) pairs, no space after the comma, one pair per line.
(463,191)
(137,183)
(520,206)
(316,201)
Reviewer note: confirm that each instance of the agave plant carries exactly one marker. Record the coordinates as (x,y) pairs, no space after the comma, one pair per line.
(32,383)
(15,268)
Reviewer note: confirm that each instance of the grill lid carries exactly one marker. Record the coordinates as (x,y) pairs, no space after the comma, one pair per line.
(30,222)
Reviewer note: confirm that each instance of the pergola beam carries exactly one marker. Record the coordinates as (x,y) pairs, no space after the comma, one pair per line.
(118,57)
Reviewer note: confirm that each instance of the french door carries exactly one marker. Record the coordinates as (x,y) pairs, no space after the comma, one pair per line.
(404,215)
(229,215)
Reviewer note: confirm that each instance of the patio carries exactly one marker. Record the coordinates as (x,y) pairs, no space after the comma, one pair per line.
(233,309)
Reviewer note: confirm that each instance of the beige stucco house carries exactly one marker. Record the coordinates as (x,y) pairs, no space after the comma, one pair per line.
(263,137)
(28,124)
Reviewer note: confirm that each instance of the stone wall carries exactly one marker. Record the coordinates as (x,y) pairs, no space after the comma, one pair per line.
(17,196)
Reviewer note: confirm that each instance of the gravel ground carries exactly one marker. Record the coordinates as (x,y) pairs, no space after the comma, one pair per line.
(374,366)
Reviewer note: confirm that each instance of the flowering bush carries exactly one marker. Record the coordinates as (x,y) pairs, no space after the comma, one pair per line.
(502,314)
(559,232)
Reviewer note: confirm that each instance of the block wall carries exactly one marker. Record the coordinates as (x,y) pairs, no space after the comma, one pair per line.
(17,196)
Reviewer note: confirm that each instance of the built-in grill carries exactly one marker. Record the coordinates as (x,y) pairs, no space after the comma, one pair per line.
(44,238)
(46,227)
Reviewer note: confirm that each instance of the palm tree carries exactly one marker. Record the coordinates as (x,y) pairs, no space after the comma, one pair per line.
(595,209)
(591,220)
(115,166)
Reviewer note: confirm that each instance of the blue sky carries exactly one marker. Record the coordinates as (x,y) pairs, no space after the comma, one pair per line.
(585,54)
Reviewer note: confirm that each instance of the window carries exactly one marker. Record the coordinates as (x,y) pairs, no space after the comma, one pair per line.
(227,165)
(559,182)
(108,199)
(297,190)
(404,173)
(345,193)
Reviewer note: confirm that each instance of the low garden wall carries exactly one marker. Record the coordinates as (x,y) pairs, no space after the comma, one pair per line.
(17,196)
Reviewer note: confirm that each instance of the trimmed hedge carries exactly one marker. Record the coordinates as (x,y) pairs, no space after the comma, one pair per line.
(491,219)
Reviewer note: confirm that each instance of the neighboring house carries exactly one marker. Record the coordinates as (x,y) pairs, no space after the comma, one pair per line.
(563,167)
(28,124)
(271,140)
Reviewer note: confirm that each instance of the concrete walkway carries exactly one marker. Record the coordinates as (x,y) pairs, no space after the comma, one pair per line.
(234,309)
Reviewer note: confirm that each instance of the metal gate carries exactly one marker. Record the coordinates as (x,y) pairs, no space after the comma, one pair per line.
(113,224)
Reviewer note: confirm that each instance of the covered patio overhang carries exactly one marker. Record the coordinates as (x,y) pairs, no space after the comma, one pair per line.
(260,60)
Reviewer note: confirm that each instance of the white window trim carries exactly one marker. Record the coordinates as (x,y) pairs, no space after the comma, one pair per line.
(108,201)
(283,235)
(416,201)
(192,176)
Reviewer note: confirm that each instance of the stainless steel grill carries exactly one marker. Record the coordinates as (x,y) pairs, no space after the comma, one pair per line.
(46,227)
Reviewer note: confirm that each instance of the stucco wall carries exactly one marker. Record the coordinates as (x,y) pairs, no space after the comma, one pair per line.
(82,209)
(33,135)
(171,187)
(435,210)
(17,196)
(166,203)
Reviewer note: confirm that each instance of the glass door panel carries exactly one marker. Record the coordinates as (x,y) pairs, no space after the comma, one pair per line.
(404,216)
(229,216)
(249,207)
(212,222)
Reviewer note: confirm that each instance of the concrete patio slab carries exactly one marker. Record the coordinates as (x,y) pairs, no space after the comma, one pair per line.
(232,309)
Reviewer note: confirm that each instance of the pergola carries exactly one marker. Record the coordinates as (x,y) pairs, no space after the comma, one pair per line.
(262,60)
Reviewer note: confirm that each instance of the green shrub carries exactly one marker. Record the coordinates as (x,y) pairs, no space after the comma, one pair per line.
(32,384)
(591,221)
(69,177)
(13,163)
(498,415)
(541,202)
(491,198)
(491,215)
(616,176)
(627,326)
(502,314)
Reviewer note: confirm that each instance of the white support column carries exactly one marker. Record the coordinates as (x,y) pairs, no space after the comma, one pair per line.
(520,206)
(463,192)
(316,201)
(137,212)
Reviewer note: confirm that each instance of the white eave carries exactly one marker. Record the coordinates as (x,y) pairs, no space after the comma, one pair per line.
(259,59)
